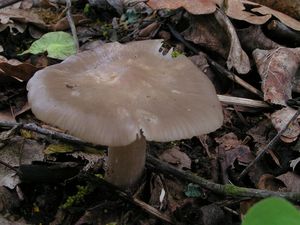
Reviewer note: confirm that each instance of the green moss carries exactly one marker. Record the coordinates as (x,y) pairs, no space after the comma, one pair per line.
(176,53)
(232,189)
(82,191)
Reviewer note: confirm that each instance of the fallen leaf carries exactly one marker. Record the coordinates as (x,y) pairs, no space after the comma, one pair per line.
(280,118)
(228,141)
(257,14)
(253,37)
(205,31)
(235,9)
(287,20)
(16,69)
(158,195)
(8,15)
(260,133)
(277,69)
(237,58)
(18,152)
(193,6)
(269,182)
(291,181)
(241,153)
(176,157)
(58,45)
(289,7)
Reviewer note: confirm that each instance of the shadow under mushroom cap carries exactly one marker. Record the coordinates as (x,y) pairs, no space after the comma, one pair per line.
(110,94)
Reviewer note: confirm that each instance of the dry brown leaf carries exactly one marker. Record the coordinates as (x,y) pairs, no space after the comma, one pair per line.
(206,32)
(269,182)
(176,157)
(257,14)
(20,15)
(19,152)
(228,141)
(280,118)
(289,7)
(287,20)
(16,69)
(253,37)
(277,69)
(241,153)
(236,10)
(237,58)
(291,181)
(196,7)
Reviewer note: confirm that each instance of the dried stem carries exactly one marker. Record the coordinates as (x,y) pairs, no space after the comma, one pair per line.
(217,66)
(157,165)
(269,145)
(72,24)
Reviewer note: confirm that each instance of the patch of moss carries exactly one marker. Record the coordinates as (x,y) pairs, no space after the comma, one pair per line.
(82,191)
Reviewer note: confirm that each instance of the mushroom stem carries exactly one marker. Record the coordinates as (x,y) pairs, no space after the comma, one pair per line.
(126,163)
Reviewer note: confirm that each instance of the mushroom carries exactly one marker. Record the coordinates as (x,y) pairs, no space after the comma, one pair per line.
(121,95)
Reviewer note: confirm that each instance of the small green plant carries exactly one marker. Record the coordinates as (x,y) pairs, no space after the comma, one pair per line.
(193,191)
(58,45)
(82,191)
(176,53)
(272,211)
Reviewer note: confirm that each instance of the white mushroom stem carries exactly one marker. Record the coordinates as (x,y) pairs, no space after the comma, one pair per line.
(126,163)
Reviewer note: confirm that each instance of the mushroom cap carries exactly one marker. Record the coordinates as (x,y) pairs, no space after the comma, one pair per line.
(112,94)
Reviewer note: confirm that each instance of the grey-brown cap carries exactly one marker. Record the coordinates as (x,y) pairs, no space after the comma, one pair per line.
(110,94)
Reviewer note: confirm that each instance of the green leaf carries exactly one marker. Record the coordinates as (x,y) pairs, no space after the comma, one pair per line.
(272,211)
(193,191)
(59,45)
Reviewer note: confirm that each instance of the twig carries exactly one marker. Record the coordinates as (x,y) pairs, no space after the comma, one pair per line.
(155,164)
(216,65)
(269,145)
(4,3)
(123,194)
(53,134)
(242,101)
(72,24)
(234,77)
(227,189)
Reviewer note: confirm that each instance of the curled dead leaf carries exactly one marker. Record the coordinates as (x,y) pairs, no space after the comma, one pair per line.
(277,69)
(280,118)
(196,7)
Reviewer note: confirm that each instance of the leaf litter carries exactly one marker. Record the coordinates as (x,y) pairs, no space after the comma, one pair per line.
(232,33)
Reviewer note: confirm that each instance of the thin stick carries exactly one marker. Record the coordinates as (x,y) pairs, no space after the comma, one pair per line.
(234,77)
(269,145)
(155,164)
(53,134)
(72,24)
(227,189)
(217,66)
(230,100)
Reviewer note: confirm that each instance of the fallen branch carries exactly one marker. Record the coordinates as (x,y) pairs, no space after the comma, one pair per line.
(226,190)
(216,65)
(269,145)
(162,167)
